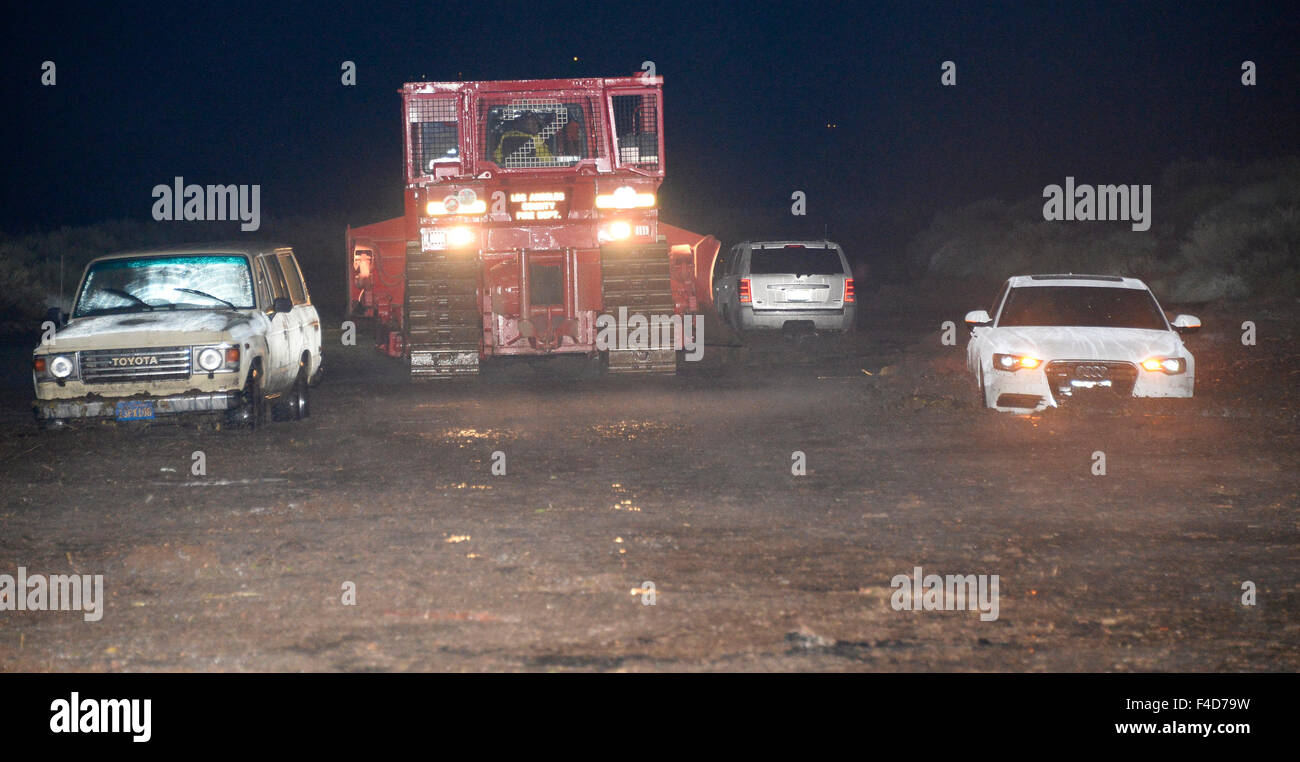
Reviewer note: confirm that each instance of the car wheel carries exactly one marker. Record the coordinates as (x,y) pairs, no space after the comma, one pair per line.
(254,400)
(984,397)
(300,397)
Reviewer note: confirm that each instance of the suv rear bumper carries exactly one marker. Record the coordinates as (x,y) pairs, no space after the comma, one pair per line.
(106,407)
(840,319)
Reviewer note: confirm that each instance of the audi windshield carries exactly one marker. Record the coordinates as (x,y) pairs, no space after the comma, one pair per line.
(1083,306)
(145,284)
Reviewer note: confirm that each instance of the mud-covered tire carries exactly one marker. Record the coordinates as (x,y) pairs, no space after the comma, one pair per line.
(255,401)
(300,396)
(294,404)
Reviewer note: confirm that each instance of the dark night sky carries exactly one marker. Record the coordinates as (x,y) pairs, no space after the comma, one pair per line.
(251,94)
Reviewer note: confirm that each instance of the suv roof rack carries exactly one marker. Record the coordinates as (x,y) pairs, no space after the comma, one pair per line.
(771,243)
(1072,276)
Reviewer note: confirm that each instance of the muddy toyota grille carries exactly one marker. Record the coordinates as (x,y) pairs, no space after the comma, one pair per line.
(1122,375)
(104,366)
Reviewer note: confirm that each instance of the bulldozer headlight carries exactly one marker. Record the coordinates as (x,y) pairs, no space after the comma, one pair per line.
(460,236)
(625,197)
(618,230)
(455,205)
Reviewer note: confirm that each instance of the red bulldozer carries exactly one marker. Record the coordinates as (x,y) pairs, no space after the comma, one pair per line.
(531,228)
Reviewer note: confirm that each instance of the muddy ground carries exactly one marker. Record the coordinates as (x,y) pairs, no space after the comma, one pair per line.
(684,482)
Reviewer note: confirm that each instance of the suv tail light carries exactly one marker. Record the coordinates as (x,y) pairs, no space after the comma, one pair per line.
(745,296)
(848,291)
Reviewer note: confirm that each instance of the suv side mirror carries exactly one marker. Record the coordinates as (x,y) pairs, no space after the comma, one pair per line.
(976,318)
(282,304)
(55,316)
(1187,324)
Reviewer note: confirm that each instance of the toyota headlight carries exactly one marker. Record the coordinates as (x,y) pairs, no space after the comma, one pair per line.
(220,358)
(210,359)
(61,366)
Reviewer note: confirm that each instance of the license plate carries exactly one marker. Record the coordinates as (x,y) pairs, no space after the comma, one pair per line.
(798,295)
(135,410)
(455,358)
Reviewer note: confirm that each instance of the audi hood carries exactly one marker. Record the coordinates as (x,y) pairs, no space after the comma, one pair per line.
(1087,343)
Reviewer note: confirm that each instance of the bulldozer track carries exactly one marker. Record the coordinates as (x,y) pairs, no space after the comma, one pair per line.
(638,279)
(444,325)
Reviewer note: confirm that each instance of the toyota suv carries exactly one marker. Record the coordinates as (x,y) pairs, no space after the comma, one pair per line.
(224,330)
(774,284)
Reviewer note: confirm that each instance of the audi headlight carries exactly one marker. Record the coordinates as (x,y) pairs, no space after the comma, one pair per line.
(61,366)
(1169,365)
(1015,362)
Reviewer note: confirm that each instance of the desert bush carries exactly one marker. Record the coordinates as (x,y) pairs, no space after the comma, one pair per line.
(22,298)
(30,264)
(1247,243)
(1221,231)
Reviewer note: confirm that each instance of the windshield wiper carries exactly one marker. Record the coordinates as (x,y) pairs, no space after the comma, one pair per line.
(102,311)
(128,295)
(205,293)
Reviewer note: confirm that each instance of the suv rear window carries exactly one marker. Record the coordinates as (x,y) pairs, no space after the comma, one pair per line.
(796,260)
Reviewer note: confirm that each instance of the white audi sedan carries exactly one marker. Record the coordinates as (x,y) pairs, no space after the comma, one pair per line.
(1055,338)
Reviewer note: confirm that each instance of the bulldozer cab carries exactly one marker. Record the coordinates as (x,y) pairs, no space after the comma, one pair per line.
(601,126)
(542,135)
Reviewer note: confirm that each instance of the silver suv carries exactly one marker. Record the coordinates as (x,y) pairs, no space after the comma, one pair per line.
(770,284)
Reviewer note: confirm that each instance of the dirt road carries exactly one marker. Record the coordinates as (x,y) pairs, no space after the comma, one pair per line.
(685,483)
